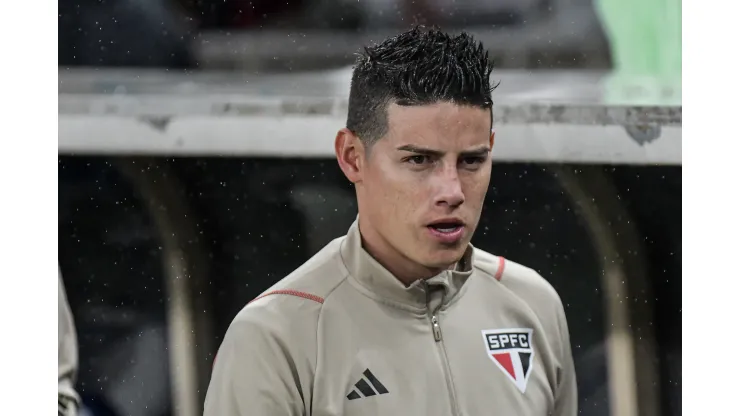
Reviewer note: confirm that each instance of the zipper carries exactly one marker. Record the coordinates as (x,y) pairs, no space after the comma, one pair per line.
(437,332)
(435,329)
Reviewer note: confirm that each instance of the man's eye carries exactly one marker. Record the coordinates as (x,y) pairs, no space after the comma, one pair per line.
(417,159)
(473,160)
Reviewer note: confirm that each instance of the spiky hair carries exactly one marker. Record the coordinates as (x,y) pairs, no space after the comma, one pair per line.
(418,67)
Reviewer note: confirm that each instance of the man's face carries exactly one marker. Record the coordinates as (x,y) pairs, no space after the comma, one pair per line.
(422,185)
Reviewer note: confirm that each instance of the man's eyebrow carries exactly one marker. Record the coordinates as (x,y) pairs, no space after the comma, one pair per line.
(420,150)
(480,151)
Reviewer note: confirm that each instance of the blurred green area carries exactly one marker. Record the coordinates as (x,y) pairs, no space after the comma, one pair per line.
(645,41)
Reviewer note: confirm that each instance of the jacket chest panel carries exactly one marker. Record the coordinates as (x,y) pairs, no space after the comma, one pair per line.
(493,358)
(386,375)
(498,360)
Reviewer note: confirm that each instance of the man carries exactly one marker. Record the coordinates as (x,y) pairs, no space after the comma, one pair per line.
(402,316)
(67,365)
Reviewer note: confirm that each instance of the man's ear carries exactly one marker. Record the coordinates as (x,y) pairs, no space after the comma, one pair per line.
(350,154)
(493,133)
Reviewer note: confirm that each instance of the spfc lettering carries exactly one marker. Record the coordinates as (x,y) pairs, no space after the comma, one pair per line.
(512,352)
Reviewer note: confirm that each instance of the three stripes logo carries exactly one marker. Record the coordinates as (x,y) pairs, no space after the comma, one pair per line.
(511,350)
(368,386)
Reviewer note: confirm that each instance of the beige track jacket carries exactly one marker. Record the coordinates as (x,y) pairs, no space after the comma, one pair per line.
(342,336)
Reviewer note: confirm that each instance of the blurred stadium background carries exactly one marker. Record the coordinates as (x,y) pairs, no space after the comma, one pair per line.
(196,169)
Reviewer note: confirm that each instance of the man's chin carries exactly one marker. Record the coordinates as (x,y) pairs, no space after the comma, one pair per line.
(446,257)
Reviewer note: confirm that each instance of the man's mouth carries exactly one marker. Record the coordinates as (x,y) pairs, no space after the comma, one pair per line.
(447,231)
(446,227)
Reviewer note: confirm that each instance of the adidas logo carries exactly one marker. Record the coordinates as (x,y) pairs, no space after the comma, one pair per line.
(367,386)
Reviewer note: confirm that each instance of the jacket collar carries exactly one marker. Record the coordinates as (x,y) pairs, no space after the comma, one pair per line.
(375,278)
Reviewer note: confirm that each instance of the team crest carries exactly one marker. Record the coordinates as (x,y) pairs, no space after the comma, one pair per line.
(511,350)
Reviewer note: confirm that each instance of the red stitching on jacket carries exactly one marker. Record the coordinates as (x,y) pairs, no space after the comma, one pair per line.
(291,292)
(500,271)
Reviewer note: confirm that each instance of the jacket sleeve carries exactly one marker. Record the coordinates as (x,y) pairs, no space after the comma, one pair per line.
(254,372)
(566,397)
(67,347)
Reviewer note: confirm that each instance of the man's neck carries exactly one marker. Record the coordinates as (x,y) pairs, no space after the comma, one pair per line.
(400,266)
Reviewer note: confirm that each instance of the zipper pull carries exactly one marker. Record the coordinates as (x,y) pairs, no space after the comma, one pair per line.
(436,329)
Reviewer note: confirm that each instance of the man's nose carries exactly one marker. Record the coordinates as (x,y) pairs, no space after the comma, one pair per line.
(449,188)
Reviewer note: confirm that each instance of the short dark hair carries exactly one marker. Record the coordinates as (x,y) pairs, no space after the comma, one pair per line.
(418,67)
